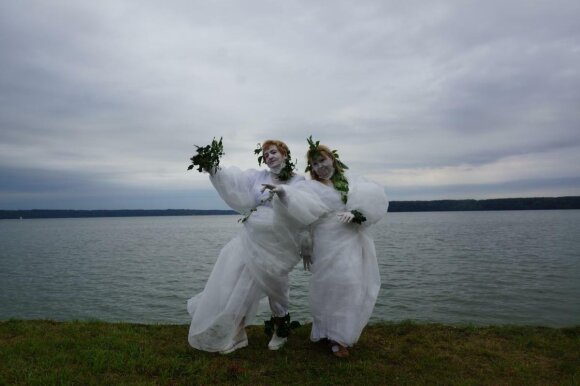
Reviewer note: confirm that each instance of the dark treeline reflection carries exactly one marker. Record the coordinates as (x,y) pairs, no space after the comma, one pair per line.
(535,203)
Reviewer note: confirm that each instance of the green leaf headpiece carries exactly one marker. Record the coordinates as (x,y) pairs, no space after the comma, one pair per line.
(287,171)
(313,151)
(338,179)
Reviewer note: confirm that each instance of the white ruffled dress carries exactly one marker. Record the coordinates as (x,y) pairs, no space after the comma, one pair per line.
(253,265)
(345,278)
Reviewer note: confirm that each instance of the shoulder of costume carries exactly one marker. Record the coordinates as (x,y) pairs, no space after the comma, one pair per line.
(315,185)
(255,173)
(296,178)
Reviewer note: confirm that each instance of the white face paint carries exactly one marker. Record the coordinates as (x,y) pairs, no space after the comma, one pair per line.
(322,166)
(273,158)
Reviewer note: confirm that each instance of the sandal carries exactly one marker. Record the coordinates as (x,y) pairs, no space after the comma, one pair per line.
(338,350)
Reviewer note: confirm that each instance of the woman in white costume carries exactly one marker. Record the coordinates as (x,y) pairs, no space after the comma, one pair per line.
(254,264)
(345,278)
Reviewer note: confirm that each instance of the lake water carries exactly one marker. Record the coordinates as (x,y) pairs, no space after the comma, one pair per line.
(510,267)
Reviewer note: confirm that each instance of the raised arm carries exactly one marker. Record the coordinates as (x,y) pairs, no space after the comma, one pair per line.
(236,187)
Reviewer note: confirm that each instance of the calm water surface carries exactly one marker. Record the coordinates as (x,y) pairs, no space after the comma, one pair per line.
(516,267)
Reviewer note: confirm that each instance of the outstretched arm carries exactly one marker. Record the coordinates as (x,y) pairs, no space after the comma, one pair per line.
(276,189)
(235,187)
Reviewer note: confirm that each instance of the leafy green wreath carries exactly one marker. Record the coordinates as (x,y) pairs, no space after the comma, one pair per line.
(338,179)
(287,171)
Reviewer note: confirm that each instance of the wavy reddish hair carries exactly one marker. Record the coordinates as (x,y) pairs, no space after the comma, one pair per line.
(323,150)
(282,147)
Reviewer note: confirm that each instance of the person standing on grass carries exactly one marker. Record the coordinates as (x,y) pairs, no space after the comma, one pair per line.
(253,265)
(345,278)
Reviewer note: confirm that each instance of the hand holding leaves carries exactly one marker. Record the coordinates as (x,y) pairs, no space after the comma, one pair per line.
(358,218)
(207,158)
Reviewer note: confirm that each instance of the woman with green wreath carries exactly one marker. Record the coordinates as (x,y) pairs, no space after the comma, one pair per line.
(345,278)
(253,265)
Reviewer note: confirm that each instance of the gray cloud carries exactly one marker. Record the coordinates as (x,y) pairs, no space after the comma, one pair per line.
(420,95)
(25,188)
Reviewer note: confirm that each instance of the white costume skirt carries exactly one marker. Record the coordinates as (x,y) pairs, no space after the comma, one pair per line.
(253,265)
(229,301)
(344,283)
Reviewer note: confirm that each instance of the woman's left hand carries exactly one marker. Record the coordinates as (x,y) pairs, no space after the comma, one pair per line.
(345,217)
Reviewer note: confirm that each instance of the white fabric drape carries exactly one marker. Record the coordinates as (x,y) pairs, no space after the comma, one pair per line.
(345,278)
(254,264)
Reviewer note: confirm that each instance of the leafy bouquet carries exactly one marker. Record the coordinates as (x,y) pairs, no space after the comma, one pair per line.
(359,218)
(207,157)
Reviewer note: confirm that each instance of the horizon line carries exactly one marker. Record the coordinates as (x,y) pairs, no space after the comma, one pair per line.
(231,210)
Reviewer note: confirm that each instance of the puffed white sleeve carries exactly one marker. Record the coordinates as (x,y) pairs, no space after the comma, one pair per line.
(294,211)
(369,198)
(299,204)
(235,187)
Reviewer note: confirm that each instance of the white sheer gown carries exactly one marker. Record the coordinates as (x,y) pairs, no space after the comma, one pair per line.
(345,278)
(254,264)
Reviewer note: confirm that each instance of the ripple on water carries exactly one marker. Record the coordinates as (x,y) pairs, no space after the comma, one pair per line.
(451,267)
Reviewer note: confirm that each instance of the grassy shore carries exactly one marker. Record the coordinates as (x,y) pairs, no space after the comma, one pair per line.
(87,353)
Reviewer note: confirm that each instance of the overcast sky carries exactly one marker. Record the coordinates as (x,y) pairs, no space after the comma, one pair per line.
(101,102)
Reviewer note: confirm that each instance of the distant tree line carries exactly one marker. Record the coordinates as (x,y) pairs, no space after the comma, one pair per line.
(536,203)
(48,213)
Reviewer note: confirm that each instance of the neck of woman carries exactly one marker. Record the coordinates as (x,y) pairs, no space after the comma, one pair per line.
(277,169)
(275,178)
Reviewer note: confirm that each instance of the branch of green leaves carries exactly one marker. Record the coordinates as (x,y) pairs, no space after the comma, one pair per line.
(208,157)
(314,152)
(246,216)
(358,218)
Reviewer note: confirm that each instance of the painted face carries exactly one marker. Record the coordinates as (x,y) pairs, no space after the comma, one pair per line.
(322,166)
(273,157)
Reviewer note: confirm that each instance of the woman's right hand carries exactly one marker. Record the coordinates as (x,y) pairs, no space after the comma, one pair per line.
(211,170)
(278,189)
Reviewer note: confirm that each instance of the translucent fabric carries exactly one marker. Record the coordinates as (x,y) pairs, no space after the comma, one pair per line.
(253,265)
(345,278)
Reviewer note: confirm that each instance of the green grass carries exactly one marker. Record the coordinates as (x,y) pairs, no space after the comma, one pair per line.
(88,353)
